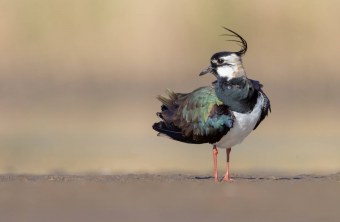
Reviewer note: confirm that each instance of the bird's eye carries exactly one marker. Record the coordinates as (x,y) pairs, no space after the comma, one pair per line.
(220,61)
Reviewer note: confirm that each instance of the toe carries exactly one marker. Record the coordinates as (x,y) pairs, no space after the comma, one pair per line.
(227,180)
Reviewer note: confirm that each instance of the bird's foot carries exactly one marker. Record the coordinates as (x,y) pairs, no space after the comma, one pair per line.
(216,177)
(227,179)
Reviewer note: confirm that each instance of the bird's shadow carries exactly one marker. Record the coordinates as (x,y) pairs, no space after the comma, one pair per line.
(203,178)
(262,178)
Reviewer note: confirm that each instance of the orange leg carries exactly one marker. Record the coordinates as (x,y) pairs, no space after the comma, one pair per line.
(215,152)
(227,175)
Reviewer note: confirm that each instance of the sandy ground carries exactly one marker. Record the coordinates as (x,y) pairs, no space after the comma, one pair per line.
(175,197)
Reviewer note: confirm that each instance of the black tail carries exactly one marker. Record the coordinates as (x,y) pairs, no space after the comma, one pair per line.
(168,110)
(173,133)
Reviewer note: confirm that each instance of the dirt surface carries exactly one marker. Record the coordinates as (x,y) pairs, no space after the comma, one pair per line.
(173,197)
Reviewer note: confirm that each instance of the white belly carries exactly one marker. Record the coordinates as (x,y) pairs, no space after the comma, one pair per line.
(244,123)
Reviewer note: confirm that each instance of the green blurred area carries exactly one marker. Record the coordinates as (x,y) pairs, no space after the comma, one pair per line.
(78,81)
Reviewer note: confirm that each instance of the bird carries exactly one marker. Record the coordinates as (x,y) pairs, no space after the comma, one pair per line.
(223,113)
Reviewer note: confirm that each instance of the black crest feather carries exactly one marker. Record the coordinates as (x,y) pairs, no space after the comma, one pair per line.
(241,40)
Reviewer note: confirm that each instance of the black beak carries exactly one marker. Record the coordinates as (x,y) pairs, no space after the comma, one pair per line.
(206,71)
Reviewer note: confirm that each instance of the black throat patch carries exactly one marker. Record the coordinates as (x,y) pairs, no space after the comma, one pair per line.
(238,94)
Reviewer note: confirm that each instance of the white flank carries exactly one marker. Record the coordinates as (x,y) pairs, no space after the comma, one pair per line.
(243,125)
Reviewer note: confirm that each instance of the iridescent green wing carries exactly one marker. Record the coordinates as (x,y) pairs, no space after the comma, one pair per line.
(202,116)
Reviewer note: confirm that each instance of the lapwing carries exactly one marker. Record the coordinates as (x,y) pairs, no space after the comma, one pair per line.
(223,113)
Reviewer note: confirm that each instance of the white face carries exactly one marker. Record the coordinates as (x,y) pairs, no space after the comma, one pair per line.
(226,71)
(229,68)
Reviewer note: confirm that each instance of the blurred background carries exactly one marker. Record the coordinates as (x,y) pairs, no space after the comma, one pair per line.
(78,81)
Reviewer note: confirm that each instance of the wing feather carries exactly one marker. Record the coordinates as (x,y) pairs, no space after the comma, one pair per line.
(199,116)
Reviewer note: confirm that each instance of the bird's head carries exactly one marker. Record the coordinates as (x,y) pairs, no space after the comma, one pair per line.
(228,65)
